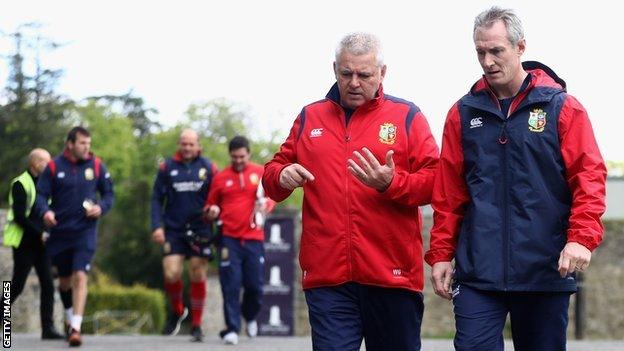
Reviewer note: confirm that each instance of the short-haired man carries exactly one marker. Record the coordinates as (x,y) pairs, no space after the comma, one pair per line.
(517,198)
(366,161)
(72,182)
(237,198)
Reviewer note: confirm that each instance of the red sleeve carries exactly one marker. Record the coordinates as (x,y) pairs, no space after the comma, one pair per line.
(413,187)
(286,156)
(214,195)
(450,193)
(586,174)
(270,204)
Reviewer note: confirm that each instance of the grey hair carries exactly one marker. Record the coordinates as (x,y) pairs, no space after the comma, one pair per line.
(360,43)
(487,18)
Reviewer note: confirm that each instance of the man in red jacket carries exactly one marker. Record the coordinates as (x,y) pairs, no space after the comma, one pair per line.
(236,197)
(366,161)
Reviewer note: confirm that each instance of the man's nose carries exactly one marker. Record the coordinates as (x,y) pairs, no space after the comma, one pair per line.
(488,61)
(354,81)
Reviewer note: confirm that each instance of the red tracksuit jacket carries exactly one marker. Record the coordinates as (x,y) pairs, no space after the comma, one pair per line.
(352,232)
(235,194)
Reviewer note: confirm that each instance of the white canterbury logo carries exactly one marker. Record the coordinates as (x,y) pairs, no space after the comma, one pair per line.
(315,133)
(476,122)
(396,272)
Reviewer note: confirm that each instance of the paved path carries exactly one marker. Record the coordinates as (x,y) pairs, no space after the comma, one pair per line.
(182,343)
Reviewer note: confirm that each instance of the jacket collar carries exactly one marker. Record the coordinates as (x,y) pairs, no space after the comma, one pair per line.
(334,95)
(178,157)
(68,155)
(544,85)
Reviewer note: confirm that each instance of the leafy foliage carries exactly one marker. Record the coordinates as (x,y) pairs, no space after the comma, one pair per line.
(126,137)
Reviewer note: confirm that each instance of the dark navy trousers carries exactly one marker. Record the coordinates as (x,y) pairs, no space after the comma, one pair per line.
(539,320)
(387,319)
(241,265)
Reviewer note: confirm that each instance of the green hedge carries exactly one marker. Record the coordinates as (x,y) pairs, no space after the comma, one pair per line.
(105,299)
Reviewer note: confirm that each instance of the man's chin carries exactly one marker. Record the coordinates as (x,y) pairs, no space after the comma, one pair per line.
(354,104)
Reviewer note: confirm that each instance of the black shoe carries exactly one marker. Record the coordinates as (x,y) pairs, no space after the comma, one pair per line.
(51,334)
(173,323)
(196,334)
(223,332)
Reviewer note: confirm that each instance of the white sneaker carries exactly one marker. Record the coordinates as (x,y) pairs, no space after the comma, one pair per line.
(230,338)
(252,328)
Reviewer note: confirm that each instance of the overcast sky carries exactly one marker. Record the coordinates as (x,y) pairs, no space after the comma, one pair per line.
(274,57)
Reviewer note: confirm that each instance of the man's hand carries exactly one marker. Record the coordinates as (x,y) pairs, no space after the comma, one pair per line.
(294,176)
(573,257)
(158,236)
(49,219)
(441,276)
(370,172)
(94,211)
(212,212)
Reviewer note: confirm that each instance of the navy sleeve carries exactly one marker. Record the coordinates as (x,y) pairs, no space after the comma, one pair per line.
(19,210)
(105,187)
(44,192)
(158,199)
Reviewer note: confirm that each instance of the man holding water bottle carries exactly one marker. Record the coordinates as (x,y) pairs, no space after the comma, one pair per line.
(67,198)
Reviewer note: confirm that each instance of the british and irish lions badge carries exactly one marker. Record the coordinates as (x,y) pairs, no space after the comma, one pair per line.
(537,120)
(387,133)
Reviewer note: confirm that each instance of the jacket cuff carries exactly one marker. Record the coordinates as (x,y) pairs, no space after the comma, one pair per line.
(281,193)
(434,256)
(394,188)
(591,245)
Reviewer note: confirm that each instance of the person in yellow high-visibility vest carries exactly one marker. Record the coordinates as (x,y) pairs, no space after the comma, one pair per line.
(25,233)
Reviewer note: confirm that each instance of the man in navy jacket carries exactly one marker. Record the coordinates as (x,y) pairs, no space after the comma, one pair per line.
(71,183)
(518,198)
(180,189)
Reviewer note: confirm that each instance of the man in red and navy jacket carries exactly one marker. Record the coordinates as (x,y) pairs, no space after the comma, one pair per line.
(71,183)
(236,197)
(180,189)
(517,198)
(366,161)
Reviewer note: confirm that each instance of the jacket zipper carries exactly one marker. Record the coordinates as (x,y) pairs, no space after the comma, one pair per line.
(347,149)
(241,180)
(502,140)
(506,235)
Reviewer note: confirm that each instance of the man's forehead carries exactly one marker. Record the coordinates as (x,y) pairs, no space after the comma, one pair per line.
(492,37)
(349,59)
(188,140)
(82,137)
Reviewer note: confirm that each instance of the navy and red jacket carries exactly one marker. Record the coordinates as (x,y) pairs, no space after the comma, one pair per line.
(68,182)
(179,192)
(236,193)
(352,232)
(511,191)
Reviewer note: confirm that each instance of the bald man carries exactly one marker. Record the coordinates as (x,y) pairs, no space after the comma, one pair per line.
(25,233)
(180,189)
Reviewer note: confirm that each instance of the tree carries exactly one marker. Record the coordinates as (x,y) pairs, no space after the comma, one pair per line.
(133,107)
(34,115)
